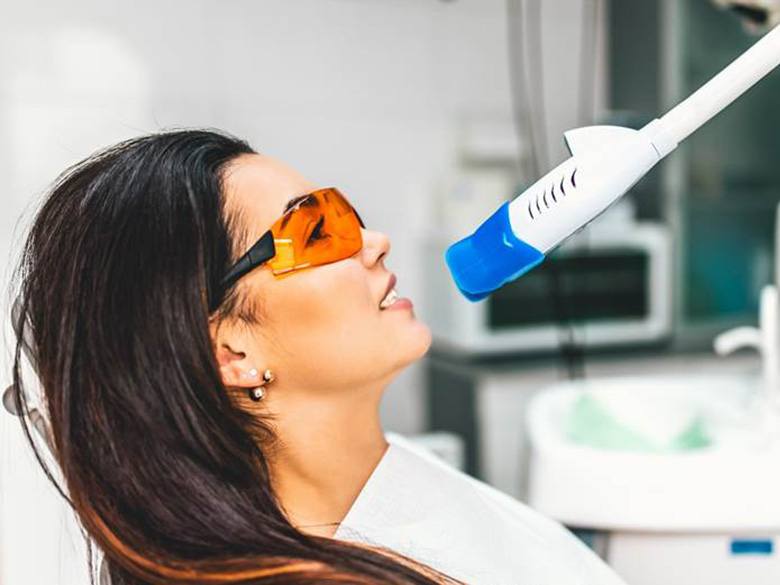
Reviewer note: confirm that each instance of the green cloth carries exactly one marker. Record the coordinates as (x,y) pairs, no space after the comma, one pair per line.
(590,423)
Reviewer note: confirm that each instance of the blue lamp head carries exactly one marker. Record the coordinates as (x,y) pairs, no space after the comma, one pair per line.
(490,257)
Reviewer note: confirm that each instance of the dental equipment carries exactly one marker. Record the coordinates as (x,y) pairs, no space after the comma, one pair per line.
(606,161)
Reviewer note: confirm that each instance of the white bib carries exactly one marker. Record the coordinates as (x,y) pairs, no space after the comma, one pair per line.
(417,505)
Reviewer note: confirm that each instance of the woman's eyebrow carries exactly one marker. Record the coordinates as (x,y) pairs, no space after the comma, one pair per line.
(294,201)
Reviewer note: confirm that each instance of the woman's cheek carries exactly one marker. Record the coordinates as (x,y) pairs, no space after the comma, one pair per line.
(317,301)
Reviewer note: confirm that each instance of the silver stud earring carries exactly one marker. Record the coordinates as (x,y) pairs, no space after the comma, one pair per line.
(258,393)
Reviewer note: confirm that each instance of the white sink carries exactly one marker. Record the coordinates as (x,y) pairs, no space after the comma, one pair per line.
(731,485)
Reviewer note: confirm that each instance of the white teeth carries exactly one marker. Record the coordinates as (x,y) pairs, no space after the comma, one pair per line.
(391,297)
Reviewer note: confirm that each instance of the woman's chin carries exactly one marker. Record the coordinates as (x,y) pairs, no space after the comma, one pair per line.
(428,338)
(406,340)
(418,341)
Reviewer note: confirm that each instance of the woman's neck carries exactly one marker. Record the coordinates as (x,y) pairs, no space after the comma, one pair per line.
(327,448)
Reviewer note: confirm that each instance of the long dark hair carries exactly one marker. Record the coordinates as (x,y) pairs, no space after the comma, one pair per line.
(118,279)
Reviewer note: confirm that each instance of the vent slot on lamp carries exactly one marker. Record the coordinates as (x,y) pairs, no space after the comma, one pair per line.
(544,201)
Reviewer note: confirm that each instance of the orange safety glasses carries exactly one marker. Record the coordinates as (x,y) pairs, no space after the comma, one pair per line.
(321,227)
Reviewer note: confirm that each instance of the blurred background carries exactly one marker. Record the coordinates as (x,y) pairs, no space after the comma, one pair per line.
(429,114)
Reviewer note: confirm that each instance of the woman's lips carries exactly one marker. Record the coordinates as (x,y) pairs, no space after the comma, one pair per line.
(400,304)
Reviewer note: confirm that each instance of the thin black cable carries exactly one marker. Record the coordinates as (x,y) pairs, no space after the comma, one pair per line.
(577,340)
(574,348)
(571,341)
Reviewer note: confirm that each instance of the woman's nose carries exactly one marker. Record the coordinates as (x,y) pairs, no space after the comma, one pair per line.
(376,246)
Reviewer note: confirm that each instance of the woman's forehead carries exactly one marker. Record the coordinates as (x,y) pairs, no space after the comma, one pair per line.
(260,187)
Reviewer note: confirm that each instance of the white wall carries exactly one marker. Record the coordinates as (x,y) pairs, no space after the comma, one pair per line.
(364,94)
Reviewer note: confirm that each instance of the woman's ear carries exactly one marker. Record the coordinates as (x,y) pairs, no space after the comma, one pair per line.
(237,368)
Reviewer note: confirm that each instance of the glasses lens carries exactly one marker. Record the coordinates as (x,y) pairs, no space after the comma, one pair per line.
(322,228)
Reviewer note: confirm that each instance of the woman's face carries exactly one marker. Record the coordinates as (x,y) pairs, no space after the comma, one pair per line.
(320,329)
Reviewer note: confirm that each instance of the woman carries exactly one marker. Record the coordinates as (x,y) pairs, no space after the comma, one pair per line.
(213,334)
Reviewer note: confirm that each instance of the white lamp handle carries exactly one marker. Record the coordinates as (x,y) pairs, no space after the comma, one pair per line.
(723,89)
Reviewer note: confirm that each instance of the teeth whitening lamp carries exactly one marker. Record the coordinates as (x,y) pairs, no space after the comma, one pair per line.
(606,161)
